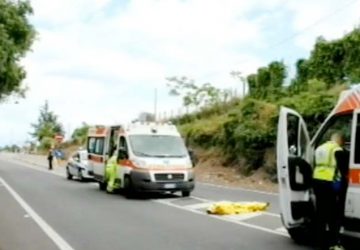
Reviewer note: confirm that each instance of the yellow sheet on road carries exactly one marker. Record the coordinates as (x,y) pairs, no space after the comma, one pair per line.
(230,208)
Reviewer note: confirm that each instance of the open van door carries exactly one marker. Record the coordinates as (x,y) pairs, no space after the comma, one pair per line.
(293,169)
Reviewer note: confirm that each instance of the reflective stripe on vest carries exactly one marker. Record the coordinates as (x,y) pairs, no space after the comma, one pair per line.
(325,162)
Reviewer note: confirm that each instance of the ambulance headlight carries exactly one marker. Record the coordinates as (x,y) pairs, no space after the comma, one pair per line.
(139,163)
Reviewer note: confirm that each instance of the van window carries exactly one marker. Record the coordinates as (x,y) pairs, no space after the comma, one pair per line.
(293,131)
(99,148)
(357,141)
(337,124)
(123,143)
(91,145)
(303,142)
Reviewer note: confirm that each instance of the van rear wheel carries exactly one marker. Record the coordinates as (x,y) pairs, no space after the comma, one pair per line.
(128,187)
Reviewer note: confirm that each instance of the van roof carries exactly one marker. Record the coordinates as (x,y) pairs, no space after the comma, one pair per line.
(152,128)
(143,128)
(349,100)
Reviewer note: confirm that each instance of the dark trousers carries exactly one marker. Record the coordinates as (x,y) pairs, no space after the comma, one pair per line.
(329,213)
(50,163)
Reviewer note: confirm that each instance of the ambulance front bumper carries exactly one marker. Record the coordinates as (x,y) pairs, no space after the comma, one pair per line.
(148,181)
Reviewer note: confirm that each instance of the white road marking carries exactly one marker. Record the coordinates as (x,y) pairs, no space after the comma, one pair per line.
(238,188)
(281,229)
(211,201)
(26,216)
(199,205)
(237,219)
(223,218)
(53,235)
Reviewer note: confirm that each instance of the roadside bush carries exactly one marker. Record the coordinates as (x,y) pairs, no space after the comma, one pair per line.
(246,132)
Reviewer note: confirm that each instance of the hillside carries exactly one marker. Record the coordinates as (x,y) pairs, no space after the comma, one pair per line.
(242,135)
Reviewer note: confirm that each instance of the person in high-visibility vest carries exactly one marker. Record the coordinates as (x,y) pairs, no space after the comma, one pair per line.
(329,178)
(111,174)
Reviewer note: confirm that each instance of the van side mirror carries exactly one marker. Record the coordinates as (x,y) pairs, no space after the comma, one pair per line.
(193,158)
(122,154)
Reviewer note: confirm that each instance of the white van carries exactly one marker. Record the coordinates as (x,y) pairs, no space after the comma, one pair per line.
(151,157)
(295,162)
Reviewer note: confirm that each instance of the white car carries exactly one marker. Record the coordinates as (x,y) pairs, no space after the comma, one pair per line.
(78,166)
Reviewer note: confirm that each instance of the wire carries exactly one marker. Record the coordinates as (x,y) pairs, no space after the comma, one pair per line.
(317,22)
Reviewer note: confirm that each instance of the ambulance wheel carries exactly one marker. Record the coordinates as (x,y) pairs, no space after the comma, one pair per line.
(185,193)
(128,188)
(102,185)
(68,175)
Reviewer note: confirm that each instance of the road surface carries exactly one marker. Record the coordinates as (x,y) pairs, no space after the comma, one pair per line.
(43,210)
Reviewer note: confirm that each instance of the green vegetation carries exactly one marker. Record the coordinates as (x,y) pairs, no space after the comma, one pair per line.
(244,130)
(80,134)
(46,127)
(16,38)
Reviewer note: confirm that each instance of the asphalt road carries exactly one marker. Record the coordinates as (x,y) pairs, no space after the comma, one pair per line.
(43,210)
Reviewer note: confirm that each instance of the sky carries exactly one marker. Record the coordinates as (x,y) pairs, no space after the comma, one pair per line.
(100,61)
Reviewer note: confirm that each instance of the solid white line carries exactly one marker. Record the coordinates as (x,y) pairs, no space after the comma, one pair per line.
(53,235)
(226,219)
(238,188)
(272,214)
(199,205)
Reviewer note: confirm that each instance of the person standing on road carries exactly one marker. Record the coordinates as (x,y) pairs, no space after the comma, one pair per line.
(330,184)
(50,158)
(111,174)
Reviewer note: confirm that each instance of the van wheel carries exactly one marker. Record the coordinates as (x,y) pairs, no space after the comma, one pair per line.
(128,188)
(68,175)
(185,193)
(102,186)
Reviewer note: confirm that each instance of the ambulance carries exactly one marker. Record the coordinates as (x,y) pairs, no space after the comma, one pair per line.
(151,157)
(295,163)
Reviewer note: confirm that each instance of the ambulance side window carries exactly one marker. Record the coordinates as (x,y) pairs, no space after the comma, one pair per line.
(123,143)
(123,149)
(91,145)
(357,142)
(99,147)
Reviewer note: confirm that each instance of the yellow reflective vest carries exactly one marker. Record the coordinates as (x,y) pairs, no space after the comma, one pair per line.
(325,162)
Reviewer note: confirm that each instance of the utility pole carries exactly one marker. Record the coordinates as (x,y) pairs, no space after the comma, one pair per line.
(155,104)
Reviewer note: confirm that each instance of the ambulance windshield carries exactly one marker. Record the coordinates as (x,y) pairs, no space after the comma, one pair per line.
(157,146)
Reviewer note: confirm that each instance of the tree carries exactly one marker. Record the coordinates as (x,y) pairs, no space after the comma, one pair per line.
(80,134)
(47,126)
(267,81)
(192,94)
(16,38)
